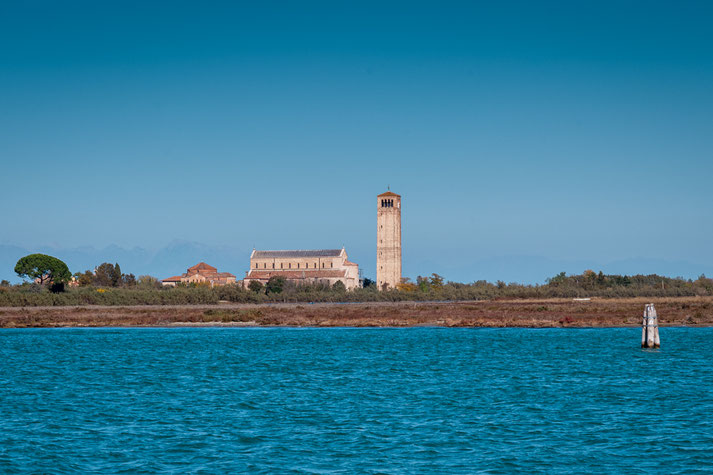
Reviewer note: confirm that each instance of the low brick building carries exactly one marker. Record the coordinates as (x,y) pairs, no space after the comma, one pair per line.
(201,273)
(325,266)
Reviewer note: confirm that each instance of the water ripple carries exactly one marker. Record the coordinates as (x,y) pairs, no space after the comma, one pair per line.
(354,400)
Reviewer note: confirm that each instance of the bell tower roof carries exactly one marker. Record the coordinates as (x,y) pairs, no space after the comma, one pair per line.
(389,193)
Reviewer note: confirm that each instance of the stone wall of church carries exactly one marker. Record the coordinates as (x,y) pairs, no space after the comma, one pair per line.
(303,270)
(296,263)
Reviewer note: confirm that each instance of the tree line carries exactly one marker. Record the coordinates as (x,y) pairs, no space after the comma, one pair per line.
(110,275)
(108,285)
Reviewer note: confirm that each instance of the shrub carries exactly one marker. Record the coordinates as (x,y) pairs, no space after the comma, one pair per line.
(255,286)
(275,285)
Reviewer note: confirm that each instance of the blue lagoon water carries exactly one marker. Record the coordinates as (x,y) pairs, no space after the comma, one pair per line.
(355,400)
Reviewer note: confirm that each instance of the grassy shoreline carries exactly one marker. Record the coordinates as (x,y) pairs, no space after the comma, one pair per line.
(533,313)
(426,289)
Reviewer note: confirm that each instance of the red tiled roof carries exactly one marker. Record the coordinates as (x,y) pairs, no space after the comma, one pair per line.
(389,193)
(348,263)
(202,269)
(202,266)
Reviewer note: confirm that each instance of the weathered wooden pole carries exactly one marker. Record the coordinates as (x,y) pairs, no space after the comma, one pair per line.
(657,340)
(650,328)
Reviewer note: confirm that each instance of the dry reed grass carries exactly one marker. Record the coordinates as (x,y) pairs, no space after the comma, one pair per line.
(488,313)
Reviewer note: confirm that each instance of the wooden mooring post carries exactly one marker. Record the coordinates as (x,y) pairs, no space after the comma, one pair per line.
(650,328)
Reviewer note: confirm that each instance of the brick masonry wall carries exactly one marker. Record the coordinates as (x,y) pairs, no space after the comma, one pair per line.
(388,243)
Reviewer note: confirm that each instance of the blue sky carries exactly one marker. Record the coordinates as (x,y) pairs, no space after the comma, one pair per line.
(531,136)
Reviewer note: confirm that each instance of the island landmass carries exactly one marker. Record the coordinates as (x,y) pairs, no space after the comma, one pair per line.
(533,313)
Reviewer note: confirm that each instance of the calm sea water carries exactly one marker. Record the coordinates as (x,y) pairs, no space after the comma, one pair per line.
(355,400)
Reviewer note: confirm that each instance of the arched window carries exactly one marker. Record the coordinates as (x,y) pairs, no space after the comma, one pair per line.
(280,265)
(322,265)
(289,265)
(256,265)
(332,264)
(273,265)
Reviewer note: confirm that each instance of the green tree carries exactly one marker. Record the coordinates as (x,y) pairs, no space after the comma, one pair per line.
(368,283)
(702,281)
(84,279)
(44,269)
(116,275)
(255,286)
(148,281)
(339,286)
(104,275)
(275,284)
(406,285)
(557,280)
(5,283)
(128,280)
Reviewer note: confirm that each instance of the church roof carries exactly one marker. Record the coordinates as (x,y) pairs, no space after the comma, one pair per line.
(202,266)
(297,253)
(389,193)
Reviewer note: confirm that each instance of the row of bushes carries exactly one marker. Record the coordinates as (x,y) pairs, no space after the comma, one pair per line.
(587,284)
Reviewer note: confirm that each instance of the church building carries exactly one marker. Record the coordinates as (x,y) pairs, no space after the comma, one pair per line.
(325,266)
(200,273)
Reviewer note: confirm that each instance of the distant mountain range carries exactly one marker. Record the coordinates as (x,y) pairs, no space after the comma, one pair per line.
(177,256)
(171,260)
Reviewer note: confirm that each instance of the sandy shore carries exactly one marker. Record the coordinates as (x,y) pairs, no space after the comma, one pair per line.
(690,311)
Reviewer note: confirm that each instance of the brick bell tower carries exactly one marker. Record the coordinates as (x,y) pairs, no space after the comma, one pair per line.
(388,240)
